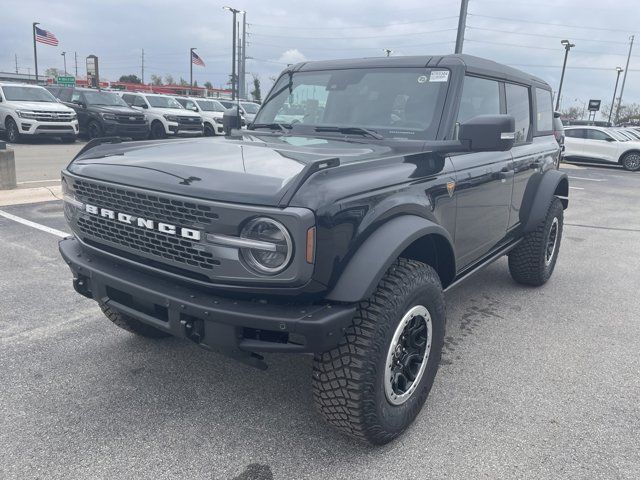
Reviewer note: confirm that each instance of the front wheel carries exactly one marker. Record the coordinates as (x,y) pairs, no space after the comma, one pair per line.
(157,130)
(375,382)
(209,131)
(532,262)
(94,130)
(13,134)
(631,161)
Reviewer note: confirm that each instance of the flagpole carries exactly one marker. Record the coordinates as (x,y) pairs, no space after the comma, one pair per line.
(191,70)
(35,50)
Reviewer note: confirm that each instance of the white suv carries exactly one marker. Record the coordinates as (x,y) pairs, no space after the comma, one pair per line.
(602,144)
(30,110)
(165,115)
(210,110)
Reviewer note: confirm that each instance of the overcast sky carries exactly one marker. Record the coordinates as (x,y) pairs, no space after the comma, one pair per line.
(284,32)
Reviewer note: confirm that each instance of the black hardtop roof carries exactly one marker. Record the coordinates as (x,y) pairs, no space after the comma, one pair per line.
(472,64)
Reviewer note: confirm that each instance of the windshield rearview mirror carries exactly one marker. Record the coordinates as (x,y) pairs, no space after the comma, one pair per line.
(488,133)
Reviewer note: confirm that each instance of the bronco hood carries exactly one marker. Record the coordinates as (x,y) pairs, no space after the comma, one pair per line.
(251,170)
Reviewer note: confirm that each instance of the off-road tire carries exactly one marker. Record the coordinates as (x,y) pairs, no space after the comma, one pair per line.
(12,131)
(631,161)
(527,262)
(348,381)
(131,324)
(157,131)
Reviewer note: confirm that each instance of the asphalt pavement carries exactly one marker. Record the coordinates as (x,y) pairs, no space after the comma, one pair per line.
(535,383)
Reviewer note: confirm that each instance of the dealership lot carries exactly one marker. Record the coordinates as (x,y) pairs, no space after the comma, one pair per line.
(535,383)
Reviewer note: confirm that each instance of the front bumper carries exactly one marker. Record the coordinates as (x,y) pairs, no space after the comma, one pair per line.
(126,130)
(226,324)
(36,127)
(183,129)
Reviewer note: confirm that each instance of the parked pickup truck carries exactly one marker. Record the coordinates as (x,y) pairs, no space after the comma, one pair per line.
(335,234)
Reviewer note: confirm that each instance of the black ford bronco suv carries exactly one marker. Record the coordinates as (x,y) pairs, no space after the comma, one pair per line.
(331,226)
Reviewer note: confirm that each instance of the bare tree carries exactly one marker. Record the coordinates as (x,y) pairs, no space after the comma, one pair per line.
(168,79)
(256,93)
(156,80)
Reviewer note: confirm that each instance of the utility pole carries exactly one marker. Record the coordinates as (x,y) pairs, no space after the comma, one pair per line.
(75,56)
(243,58)
(615,89)
(567,46)
(64,56)
(462,25)
(234,11)
(16,55)
(624,79)
(387,51)
(142,67)
(35,50)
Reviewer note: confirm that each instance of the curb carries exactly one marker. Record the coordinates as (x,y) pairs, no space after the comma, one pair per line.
(22,196)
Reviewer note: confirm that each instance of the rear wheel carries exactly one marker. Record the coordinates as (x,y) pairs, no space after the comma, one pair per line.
(13,134)
(631,161)
(532,262)
(132,325)
(375,382)
(157,130)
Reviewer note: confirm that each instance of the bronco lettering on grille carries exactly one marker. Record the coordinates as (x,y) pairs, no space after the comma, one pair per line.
(167,228)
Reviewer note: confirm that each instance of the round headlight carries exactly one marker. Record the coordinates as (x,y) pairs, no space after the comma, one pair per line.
(274,247)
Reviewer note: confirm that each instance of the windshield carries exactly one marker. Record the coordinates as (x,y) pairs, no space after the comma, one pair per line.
(394,102)
(104,98)
(250,107)
(210,106)
(28,94)
(163,102)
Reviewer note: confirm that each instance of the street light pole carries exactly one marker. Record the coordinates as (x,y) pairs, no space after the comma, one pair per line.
(388,51)
(615,90)
(567,46)
(624,79)
(234,11)
(64,56)
(462,25)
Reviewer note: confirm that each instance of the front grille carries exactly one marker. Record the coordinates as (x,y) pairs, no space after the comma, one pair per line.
(137,119)
(156,244)
(145,205)
(48,128)
(54,116)
(189,120)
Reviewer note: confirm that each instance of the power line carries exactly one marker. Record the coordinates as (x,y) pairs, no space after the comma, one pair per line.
(518,20)
(342,49)
(355,38)
(544,35)
(542,48)
(347,27)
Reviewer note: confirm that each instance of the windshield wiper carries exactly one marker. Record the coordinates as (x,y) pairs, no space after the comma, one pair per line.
(272,126)
(352,130)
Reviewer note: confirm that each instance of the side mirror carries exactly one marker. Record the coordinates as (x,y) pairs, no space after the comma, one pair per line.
(609,139)
(231,119)
(488,133)
(144,105)
(195,109)
(80,104)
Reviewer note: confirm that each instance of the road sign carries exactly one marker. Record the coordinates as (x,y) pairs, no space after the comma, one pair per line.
(594,105)
(66,81)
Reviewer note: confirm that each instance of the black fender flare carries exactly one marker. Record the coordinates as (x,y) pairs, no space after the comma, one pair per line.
(373,258)
(538,196)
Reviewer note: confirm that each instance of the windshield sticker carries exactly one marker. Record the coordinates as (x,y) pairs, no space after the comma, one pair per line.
(439,76)
(422,79)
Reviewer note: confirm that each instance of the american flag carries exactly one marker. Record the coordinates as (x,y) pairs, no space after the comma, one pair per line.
(195,59)
(44,36)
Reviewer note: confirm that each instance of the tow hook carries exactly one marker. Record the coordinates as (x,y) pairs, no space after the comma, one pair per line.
(194,329)
(81,285)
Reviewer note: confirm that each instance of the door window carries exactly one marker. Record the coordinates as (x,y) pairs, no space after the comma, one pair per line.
(519,106)
(480,96)
(575,133)
(76,97)
(138,101)
(544,116)
(597,135)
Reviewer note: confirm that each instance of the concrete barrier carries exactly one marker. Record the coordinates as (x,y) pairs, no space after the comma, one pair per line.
(7,168)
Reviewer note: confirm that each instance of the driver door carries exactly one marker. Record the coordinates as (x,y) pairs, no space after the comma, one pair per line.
(601,145)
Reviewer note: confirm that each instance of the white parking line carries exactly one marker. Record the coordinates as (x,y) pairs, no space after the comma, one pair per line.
(577,188)
(29,223)
(589,179)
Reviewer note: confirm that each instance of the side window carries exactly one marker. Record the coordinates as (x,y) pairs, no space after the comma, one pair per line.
(544,116)
(190,105)
(479,97)
(518,105)
(76,97)
(182,101)
(128,98)
(574,133)
(597,135)
(138,101)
